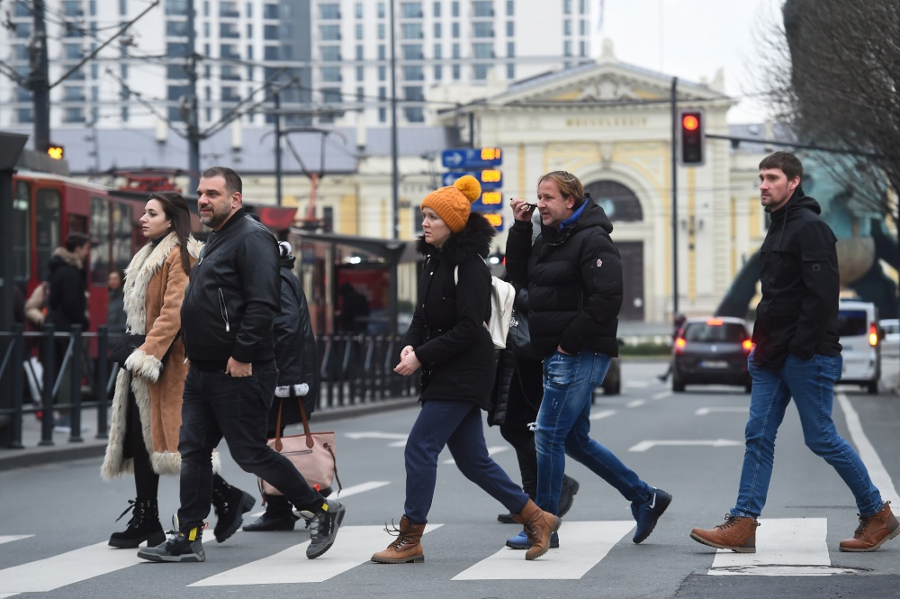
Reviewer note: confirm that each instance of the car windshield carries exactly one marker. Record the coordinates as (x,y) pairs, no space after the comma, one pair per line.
(852,323)
(707,333)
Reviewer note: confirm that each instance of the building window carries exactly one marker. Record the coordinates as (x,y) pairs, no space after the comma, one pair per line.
(567,48)
(567,7)
(412,52)
(581,6)
(510,29)
(510,8)
(381,10)
(230,51)
(73,115)
(382,73)
(414,114)
(229,94)
(329,11)
(483,29)
(270,11)
(510,49)
(481,71)
(330,53)
(359,10)
(360,94)
(381,31)
(411,31)
(437,31)
(454,8)
(455,50)
(511,71)
(177,28)
(229,30)
(73,51)
(329,32)
(411,10)
(270,53)
(360,73)
(455,29)
(73,94)
(437,51)
(437,9)
(483,9)
(24,115)
(382,93)
(226,9)
(582,48)
(382,51)
(456,71)
(482,50)
(413,73)
(582,27)
(382,115)
(413,94)
(359,52)
(567,27)
(331,74)
(438,72)
(359,31)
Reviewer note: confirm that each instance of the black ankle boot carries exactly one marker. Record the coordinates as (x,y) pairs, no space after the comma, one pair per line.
(278,516)
(143,526)
(231,504)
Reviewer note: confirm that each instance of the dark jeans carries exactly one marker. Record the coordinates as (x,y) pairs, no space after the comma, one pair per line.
(217,405)
(458,426)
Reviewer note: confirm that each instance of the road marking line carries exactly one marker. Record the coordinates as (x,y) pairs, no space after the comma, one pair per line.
(11,538)
(376,435)
(601,414)
(637,384)
(662,395)
(398,443)
(347,492)
(354,546)
(784,547)
(635,403)
(705,411)
(879,474)
(645,445)
(66,568)
(581,546)
(494,449)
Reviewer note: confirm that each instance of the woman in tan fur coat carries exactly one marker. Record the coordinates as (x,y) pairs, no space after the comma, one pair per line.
(146,410)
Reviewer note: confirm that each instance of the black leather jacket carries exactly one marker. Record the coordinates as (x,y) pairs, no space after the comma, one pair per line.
(233,295)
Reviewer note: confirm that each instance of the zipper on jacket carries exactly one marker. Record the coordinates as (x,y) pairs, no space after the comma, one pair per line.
(224,311)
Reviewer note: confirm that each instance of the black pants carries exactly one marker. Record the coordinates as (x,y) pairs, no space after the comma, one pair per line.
(217,405)
(525,393)
(146,481)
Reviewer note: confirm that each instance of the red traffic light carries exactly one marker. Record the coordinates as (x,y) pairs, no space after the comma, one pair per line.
(690,122)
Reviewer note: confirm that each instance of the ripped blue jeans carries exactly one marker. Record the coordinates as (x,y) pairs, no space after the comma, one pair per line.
(563,427)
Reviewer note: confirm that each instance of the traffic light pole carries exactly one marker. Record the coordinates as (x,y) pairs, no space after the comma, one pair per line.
(675,125)
(39,80)
(193,126)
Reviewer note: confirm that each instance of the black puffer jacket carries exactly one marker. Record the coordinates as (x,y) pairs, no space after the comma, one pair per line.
(574,280)
(295,347)
(67,283)
(233,295)
(800,286)
(447,330)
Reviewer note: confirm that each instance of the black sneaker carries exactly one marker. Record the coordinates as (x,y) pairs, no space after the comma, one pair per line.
(323,527)
(181,546)
(648,513)
(570,486)
(230,509)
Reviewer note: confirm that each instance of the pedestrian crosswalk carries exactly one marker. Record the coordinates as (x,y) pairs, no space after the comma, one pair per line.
(786,547)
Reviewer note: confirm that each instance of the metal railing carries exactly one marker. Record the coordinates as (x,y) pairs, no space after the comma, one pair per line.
(354,370)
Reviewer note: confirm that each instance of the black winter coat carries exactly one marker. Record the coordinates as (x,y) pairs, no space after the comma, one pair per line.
(447,331)
(233,295)
(574,280)
(295,348)
(67,304)
(800,286)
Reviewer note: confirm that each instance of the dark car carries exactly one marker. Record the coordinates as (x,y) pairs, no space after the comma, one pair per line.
(711,351)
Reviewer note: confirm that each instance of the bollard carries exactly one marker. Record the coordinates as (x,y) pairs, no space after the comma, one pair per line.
(77,361)
(49,361)
(100,383)
(18,372)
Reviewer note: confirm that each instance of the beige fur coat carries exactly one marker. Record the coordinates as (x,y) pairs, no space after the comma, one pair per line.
(154,290)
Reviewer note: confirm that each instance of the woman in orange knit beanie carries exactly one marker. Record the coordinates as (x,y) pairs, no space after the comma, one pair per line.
(448,340)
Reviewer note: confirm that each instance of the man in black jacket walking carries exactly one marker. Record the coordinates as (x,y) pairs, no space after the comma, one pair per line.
(574,280)
(229,305)
(796,354)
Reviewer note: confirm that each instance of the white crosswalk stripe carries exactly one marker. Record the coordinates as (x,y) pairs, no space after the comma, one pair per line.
(492,450)
(11,538)
(581,546)
(354,546)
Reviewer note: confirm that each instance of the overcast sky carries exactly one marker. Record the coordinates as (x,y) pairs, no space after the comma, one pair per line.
(692,39)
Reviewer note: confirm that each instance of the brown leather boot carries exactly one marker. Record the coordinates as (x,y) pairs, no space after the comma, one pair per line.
(539,525)
(736,533)
(873,531)
(407,548)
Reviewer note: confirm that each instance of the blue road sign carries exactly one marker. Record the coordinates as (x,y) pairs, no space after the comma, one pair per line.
(489,179)
(472,158)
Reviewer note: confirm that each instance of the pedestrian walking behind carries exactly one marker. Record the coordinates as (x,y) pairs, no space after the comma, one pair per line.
(574,281)
(448,340)
(523,395)
(298,376)
(676,328)
(115,307)
(66,307)
(229,306)
(796,355)
(146,408)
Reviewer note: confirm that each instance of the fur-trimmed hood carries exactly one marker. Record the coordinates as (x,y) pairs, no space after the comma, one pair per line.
(146,263)
(63,256)
(474,239)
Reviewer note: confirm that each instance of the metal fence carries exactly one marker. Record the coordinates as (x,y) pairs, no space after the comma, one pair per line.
(354,370)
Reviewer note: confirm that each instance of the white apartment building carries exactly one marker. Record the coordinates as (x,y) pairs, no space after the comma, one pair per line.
(338,50)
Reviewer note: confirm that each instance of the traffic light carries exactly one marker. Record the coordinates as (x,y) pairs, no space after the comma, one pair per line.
(693,143)
(55,152)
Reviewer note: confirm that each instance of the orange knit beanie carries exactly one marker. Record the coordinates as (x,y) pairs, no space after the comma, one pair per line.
(453,203)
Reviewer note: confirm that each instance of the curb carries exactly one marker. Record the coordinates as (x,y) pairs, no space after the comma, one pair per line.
(11,459)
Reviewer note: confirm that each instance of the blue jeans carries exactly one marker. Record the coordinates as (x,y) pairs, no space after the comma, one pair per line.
(563,427)
(218,405)
(811,384)
(458,426)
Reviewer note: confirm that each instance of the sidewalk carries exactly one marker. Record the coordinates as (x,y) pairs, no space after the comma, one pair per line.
(90,446)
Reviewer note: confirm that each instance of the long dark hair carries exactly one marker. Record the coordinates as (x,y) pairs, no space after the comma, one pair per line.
(176,210)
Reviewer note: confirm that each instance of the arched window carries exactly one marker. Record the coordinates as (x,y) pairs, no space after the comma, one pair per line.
(618,201)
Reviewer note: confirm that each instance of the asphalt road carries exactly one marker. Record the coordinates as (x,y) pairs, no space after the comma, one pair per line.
(55,519)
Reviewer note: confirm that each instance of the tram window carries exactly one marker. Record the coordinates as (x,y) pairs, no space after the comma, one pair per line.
(100,245)
(122,236)
(22,231)
(49,222)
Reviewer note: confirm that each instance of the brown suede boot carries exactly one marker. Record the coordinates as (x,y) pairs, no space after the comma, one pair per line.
(407,548)
(539,525)
(736,533)
(873,531)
